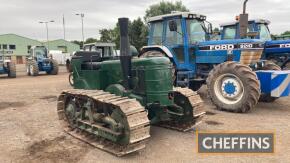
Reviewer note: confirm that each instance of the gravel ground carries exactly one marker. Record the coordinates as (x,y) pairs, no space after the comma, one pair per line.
(30,131)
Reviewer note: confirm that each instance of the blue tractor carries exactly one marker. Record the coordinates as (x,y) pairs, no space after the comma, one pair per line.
(38,61)
(232,69)
(7,66)
(277,51)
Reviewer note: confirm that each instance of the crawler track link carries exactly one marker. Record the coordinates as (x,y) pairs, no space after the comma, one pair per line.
(136,117)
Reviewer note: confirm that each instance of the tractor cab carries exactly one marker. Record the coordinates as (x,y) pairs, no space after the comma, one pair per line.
(38,53)
(177,31)
(105,49)
(257,29)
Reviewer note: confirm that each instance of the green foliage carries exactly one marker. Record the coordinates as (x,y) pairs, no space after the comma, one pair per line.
(286,33)
(80,43)
(90,40)
(111,35)
(164,8)
(138,33)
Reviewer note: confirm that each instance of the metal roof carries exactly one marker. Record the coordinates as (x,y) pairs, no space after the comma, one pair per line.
(261,21)
(182,14)
(101,44)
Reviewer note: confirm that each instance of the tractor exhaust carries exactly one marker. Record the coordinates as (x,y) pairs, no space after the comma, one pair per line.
(125,57)
(243,21)
(245,6)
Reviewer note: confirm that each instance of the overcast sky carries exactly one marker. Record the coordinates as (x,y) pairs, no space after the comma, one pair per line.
(22,16)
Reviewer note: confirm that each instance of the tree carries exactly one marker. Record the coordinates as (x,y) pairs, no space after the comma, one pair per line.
(90,40)
(286,33)
(111,35)
(164,8)
(80,43)
(138,33)
(106,35)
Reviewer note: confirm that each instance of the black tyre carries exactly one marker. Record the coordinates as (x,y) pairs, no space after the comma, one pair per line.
(233,87)
(54,70)
(28,68)
(12,70)
(266,97)
(70,79)
(287,66)
(68,66)
(33,68)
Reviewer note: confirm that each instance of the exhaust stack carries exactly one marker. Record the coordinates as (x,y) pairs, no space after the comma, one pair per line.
(125,57)
(243,21)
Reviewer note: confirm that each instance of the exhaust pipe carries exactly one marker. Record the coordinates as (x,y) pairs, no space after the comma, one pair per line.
(125,57)
(245,6)
(243,21)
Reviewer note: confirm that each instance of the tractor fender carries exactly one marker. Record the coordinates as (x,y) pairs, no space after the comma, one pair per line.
(162,49)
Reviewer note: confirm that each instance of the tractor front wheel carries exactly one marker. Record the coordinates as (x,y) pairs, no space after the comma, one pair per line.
(70,79)
(12,70)
(266,97)
(233,87)
(32,68)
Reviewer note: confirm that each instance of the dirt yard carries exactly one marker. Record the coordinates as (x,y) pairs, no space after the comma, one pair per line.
(30,131)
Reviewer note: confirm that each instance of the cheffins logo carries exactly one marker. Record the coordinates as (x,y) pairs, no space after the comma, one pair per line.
(235,142)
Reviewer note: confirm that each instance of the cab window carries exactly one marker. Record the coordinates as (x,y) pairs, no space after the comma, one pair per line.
(229,32)
(157,33)
(196,31)
(174,37)
(264,32)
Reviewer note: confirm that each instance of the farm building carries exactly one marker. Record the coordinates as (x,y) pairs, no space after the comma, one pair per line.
(17,47)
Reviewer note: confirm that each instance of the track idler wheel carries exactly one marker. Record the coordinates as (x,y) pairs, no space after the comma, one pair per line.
(187,111)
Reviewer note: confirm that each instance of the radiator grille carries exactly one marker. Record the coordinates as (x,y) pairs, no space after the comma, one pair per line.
(250,56)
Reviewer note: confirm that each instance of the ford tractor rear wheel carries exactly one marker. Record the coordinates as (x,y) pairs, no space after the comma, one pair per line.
(233,87)
(287,66)
(33,68)
(54,65)
(12,70)
(266,97)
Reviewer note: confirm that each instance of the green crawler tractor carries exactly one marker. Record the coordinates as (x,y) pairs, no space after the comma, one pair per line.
(114,102)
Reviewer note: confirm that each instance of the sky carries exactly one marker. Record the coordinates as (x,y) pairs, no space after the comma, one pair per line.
(22,16)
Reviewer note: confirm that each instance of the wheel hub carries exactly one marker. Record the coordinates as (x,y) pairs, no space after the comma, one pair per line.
(229,88)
